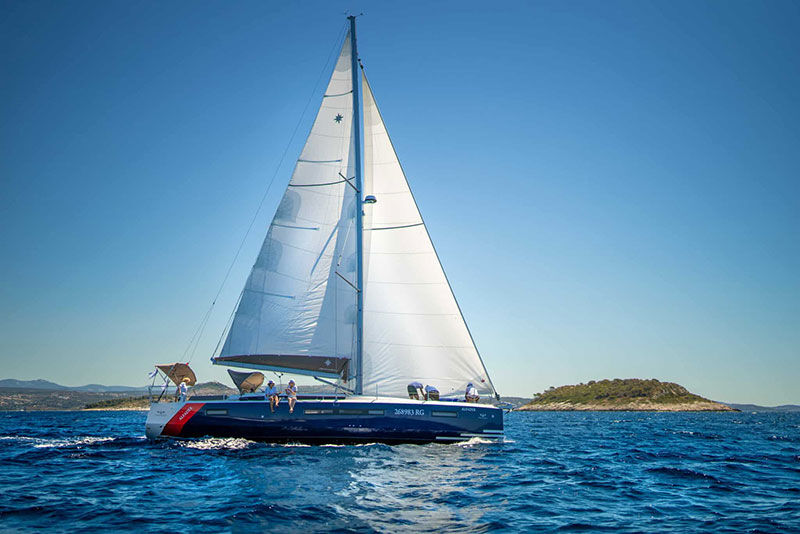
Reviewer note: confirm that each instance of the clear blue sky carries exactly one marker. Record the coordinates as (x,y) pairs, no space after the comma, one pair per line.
(613,187)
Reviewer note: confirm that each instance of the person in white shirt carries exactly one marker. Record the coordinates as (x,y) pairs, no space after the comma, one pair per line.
(471,395)
(183,389)
(271,393)
(291,395)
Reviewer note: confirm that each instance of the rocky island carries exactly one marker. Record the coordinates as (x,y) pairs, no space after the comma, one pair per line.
(631,394)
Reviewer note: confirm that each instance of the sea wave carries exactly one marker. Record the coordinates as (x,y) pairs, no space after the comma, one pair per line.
(64,472)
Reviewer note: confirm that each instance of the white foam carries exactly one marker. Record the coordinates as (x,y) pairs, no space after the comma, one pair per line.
(476,441)
(85,440)
(233,444)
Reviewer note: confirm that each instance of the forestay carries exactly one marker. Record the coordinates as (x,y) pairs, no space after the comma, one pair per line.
(298,300)
(413,327)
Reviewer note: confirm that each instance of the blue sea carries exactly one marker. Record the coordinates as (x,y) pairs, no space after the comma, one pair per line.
(624,472)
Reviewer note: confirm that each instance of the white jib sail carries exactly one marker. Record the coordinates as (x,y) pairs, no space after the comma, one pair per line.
(296,300)
(413,328)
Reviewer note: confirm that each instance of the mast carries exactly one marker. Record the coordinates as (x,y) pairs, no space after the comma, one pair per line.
(359,211)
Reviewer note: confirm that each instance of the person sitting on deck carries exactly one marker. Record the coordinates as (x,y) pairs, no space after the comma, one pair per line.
(291,395)
(271,393)
(183,388)
(414,390)
(431,393)
(471,395)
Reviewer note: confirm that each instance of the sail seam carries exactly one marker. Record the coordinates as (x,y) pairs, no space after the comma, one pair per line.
(270,294)
(285,275)
(337,136)
(319,161)
(340,94)
(296,227)
(413,313)
(418,345)
(407,283)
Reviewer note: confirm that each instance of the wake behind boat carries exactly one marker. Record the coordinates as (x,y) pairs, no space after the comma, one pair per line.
(348,289)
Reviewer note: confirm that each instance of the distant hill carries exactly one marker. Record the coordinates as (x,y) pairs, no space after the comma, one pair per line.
(52,386)
(212,388)
(16,399)
(630,394)
(45,395)
(30,384)
(99,388)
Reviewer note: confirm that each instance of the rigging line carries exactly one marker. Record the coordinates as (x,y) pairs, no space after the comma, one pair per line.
(346,179)
(227,325)
(199,332)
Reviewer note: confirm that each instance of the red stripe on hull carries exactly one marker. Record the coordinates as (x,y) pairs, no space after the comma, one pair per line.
(181,417)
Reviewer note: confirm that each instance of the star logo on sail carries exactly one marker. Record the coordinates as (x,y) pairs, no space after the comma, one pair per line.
(327,363)
(338,118)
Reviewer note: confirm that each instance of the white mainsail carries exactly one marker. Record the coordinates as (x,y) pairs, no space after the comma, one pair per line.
(297,310)
(413,327)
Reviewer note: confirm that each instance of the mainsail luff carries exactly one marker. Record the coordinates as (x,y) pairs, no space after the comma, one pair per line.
(355,78)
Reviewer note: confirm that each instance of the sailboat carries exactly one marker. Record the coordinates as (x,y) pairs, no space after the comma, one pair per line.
(347,288)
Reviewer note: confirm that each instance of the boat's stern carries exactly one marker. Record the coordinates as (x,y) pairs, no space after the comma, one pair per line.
(159,415)
(166,419)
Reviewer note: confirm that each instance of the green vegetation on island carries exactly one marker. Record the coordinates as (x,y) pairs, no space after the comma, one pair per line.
(630,394)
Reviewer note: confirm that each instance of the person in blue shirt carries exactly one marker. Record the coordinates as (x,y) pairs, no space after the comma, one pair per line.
(271,393)
(431,393)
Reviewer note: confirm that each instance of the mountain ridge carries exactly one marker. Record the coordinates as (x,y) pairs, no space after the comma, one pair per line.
(39,383)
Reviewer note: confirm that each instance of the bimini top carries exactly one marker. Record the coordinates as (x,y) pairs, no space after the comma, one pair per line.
(246,382)
(177,372)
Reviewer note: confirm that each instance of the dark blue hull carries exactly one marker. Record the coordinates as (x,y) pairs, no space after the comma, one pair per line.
(327,421)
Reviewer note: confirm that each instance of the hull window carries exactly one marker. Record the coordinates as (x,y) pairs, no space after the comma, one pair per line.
(444,413)
(318,412)
(216,412)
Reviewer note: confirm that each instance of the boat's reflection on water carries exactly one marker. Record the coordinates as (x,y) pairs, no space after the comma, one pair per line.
(362,487)
(409,484)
